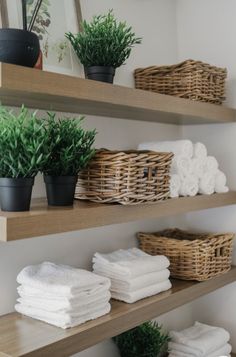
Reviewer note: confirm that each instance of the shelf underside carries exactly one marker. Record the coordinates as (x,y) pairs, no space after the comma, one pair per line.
(22,336)
(53,91)
(43,220)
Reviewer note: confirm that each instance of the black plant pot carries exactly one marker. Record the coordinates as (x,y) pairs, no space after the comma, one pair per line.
(15,193)
(19,47)
(100,73)
(60,190)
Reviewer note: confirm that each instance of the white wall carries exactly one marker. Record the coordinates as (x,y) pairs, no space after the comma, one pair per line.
(155,21)
(207,31)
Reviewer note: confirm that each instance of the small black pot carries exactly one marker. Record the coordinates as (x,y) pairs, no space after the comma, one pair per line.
(60,190)
(15,193)
(100,73)
(19,47)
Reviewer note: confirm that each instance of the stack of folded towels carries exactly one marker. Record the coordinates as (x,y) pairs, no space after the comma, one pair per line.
(200,340)
(134,274)
(192,170)
(61,295)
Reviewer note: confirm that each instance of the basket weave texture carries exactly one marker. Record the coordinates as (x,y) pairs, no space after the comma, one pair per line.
(192,256)
(189,79)
(129,177)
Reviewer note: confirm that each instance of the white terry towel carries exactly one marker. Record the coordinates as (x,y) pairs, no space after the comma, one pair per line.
(178,147)
(189,186)
(198,167)
(131,297)
(179,350)
(61,279)
(199,151)
(203,338)
(63,321)
(211,165)
(63,307)
(207,184)
(175,183)
(142,281)
(220,182)
(181,165)
(129,263)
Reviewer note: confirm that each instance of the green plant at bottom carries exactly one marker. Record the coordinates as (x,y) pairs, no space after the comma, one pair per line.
(146,340)
(69,145)
(22,144)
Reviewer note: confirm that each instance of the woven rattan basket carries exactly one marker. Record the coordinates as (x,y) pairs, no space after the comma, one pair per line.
(190,79)
(129,177)
(192,256)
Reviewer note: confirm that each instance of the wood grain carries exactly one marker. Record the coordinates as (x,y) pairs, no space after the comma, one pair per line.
(43,220)
(52,91)
(25,337)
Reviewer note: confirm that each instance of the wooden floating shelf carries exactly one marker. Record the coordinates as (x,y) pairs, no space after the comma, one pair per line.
(24,337)
(43,220)
(52,91)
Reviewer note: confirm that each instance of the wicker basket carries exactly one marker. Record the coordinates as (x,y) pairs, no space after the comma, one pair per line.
(190,79)
(129,177)
(192,256)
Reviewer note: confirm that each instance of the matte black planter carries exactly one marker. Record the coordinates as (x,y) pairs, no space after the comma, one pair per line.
(15,194)
(60,190)
(19,47)
(100,73)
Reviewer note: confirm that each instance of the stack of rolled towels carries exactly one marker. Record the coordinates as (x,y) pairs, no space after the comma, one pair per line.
(192,170)
(200,340)
(134,274)
(61,295)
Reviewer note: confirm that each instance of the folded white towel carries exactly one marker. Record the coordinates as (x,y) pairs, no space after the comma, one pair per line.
(199,151)
(221,352)
(175,184)
(198,167)
(203,338)
(129,263)
(64,321)
(178,147)
(133,296)
(211,165)
(220,182)
(207,184)
(189,186)
(61,279)
(63,307)
(142,281)
(181,165)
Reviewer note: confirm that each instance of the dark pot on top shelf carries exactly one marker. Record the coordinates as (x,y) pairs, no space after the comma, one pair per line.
(100,73)
(15,193)
(60,190)
(19,47)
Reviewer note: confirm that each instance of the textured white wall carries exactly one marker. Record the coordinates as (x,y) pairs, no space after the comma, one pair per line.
(207,31)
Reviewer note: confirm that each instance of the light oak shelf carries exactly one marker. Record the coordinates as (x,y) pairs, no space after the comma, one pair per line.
(52,91)
(43,220)
(24,337)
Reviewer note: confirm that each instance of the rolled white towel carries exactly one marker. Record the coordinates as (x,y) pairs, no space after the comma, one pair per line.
(181,165)
(175,183)
(207,184)
(211,165)
(189,186)
(178,147)
(198,167)
(220,182)
(199,151)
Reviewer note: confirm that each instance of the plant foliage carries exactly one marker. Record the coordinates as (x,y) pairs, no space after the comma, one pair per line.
(22,144)
(104,41)
(69,146)
(146,340)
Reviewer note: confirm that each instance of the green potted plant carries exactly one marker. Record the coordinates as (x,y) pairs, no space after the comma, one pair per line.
(22,146)
(103,45)
(70,149)
(146,340)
